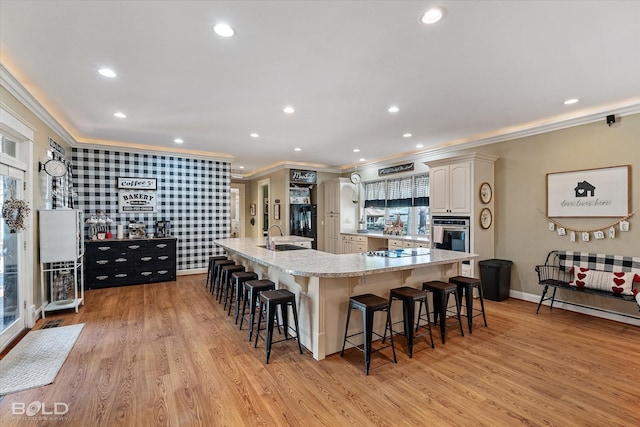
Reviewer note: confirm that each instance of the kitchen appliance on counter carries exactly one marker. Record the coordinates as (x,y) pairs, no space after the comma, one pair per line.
(304,222)
(136,230)
(163,228)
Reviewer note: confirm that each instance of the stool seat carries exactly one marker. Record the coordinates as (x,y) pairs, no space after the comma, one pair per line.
(252,289)
(225,282)
(270,300)
(238,278)
(368,304)
(466,285)
(441,292)
(217,274)
(409,296)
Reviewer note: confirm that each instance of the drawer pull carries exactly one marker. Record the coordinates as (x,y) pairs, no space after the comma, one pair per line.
(121,259)
(121,275)
(161,245)
(146,273)
(102,277)
(134,246)
(104,248)
(102,261)
(146,258)
(163,271)
(163,258)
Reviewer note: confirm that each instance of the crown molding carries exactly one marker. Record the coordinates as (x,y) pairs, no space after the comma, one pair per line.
(285,164)
(154,150)
(16,89)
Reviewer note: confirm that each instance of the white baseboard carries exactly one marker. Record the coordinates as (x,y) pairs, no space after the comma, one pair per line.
(192,271)
(609,315)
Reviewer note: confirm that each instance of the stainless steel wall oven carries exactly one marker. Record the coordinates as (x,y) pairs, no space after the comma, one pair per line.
(451,233)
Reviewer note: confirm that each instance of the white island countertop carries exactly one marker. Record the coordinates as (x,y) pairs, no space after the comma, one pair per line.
(313,263)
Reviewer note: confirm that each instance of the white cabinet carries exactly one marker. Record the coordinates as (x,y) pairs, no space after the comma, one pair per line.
(61,259)
(450,188)
(332,233)
(353,244)
(339,212)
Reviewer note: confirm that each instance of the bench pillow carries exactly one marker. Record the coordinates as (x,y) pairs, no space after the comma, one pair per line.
(617,282)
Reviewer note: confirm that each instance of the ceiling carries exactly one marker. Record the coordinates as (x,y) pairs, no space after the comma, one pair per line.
(488,69)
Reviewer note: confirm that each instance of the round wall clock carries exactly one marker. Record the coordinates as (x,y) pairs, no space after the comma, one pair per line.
(356,178)
(55,168)
(486,218)
(485,192)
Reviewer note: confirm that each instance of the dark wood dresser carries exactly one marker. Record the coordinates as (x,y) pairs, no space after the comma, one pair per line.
(119,262)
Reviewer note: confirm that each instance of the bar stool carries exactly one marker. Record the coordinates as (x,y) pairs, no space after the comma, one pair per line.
(252,289)
(441,292)
(238,278)
(212,260)
(217,273)
(269,303)
(466,285)
(409,297)
(368,304)
(225,282)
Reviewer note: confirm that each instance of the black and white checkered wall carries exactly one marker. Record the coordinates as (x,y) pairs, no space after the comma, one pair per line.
(193,194)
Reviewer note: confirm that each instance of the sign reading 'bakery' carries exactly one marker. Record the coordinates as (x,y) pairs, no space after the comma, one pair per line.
(137,201)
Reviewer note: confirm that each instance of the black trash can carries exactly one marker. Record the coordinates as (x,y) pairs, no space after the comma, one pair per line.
(495,275)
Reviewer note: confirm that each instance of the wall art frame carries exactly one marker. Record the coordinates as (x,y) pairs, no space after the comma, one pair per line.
(601,192)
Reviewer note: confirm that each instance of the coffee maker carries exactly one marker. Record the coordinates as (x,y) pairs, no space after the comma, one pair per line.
(163,228)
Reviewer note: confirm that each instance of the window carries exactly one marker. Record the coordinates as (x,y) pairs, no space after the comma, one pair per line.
(8,147)
(400,202)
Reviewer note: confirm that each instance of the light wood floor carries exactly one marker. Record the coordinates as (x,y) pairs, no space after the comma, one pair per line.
(166,354)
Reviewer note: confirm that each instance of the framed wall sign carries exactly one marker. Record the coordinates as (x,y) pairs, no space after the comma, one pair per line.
(137,201)
(137,183)
(302,176)
(603,192)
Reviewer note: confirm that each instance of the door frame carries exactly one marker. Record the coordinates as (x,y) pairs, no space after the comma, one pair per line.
(22,134)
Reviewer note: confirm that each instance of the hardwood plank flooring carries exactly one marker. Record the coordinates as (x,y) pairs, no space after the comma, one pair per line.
(168,355)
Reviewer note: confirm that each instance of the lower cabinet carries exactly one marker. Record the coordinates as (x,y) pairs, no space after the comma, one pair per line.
(353,244)
(129,262)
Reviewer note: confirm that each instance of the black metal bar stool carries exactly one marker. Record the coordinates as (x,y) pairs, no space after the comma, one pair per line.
(225,282)
(238,278)
(368,304)
(466,285)
(441,292)
(409,297)
(269,303)
(217,274)
(212,260)
(252,289)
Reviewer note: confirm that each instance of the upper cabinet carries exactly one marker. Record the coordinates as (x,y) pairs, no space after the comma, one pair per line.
(450,188)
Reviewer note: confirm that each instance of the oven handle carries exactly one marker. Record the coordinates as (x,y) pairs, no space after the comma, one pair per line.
(452,227)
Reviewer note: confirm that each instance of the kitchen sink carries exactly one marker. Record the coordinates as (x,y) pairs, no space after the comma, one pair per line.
(285,247)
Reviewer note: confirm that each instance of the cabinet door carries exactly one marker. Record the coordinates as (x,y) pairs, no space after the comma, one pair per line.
(332,196)
(460,182)
(439,189)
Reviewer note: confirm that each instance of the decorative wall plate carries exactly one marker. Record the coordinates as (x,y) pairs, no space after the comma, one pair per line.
(485,192)
(486,218)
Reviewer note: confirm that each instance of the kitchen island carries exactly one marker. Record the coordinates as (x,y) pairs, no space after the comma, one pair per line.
(323,282)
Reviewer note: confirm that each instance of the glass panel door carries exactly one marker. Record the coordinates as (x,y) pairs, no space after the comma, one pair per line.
(11,313)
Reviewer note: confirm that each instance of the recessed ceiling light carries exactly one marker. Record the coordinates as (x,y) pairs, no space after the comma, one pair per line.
(107,72)
(120,115)
(362,159)
(223,30)
(433,15)
(178,140)
(240,167)
(356,150)
(393,109)
(288,109)
(571,101)
(297,149)
(407,135)
(419,146)
(254,135)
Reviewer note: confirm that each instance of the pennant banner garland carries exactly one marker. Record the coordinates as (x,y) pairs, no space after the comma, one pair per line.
(608,231)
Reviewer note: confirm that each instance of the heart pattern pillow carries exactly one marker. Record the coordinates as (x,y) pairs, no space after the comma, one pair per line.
(618,282)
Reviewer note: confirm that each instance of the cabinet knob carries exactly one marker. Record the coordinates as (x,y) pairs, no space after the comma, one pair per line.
(134,246)
(121,260)
(104,248)
(102,261)
(146,258)
(161,245)
(163,258)
(121,275)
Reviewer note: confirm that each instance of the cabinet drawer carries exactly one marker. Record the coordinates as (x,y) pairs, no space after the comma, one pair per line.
(107,278)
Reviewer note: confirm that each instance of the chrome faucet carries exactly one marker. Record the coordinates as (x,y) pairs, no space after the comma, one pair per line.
(269,231)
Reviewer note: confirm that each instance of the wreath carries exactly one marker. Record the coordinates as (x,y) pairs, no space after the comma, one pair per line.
(14,212)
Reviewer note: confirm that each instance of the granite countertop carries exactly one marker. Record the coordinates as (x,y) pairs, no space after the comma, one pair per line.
(312,263)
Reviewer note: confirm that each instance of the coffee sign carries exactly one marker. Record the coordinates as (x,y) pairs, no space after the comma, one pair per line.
(138,183)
